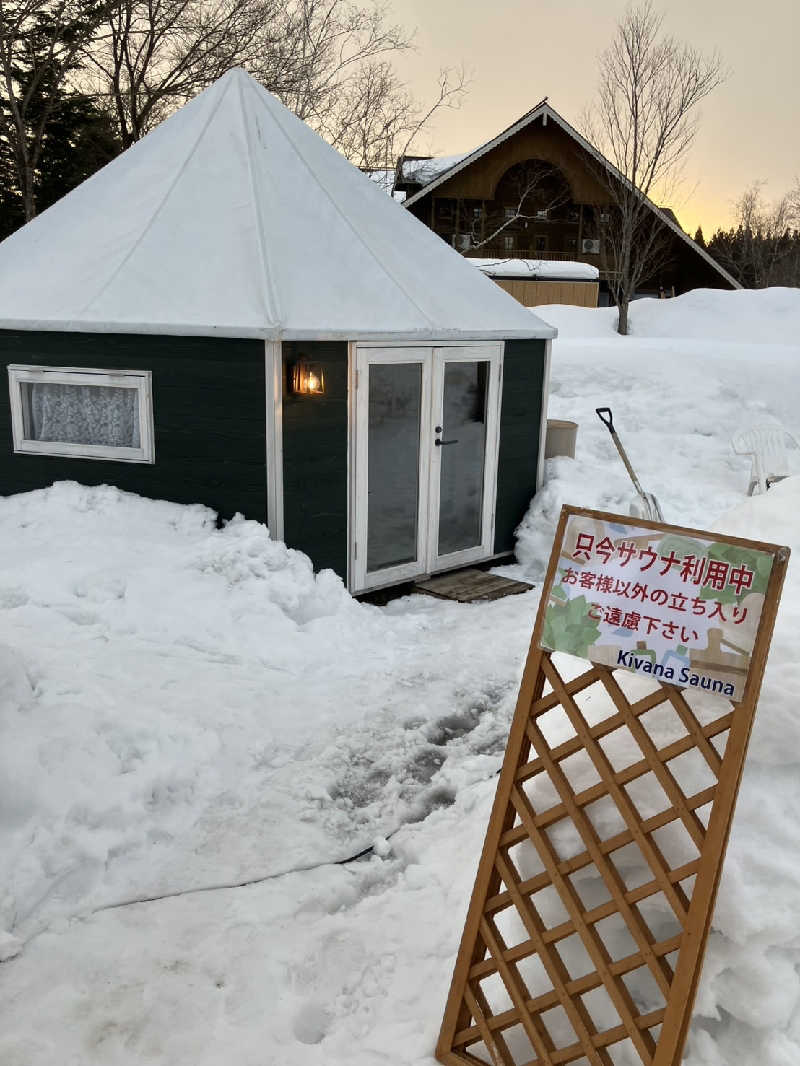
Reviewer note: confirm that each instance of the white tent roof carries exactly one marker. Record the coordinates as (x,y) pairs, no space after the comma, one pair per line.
(234,218)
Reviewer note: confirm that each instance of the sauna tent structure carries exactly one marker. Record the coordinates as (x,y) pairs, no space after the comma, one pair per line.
(230,313)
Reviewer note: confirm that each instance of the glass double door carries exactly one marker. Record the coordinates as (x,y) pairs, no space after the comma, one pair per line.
(426,458)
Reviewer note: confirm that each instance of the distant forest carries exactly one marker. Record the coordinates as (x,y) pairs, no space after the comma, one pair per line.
(762,248)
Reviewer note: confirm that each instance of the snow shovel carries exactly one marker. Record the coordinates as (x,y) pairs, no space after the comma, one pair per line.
(647,505)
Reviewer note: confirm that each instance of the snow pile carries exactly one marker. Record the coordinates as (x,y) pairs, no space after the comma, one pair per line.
(580,322)
(123,622)
(754,316)
(182,705)
(758,316)
(536,268)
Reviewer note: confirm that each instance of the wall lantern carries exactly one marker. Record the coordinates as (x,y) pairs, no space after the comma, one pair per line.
(308,379)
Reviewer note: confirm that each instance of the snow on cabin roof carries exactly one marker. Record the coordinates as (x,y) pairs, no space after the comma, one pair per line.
(426,169)
(234,218)
(384,179)
(536,268)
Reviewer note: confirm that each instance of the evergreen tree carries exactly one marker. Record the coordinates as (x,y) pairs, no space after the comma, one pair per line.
(699,238)
(42,43)
(51,137)
(81,138)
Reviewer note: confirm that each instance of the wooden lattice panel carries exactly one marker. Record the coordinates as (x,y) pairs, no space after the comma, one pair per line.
(595,890)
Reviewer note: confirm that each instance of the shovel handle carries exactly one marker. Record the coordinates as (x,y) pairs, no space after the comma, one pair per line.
(605,416)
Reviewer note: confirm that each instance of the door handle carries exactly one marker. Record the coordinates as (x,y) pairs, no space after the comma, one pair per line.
(442,443)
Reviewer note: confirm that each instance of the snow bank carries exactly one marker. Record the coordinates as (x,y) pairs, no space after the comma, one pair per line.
(121,623)
(182,705)
(756,316)
(583,322)
(759,316)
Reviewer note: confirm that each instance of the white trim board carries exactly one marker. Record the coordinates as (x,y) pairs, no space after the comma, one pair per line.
(273,394)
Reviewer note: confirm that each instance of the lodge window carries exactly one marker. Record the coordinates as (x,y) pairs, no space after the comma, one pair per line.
(540,244)
(508,242)
(83,413)
(463,241)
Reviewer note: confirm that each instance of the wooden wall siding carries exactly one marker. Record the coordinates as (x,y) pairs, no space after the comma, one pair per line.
(315,459)
(209,414)
(533,293)
(550,143)
(520,421)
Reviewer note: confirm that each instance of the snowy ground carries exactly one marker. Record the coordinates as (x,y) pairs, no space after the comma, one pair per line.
(184,707)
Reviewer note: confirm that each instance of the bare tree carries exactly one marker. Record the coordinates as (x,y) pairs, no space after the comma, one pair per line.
(644,121)
(763,246)
(327,60)
(376,118)
(40,41)
(156,54)
(536,190)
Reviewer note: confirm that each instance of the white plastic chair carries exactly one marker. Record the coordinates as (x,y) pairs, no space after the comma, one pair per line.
(767,446)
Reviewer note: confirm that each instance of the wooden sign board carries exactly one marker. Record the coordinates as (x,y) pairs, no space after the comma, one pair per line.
(595,889)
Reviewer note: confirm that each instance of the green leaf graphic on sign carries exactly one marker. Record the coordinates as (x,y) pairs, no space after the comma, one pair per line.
(682,546)
(568,627)
(759,562)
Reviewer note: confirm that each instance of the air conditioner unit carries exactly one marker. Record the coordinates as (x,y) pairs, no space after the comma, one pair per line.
(590,246)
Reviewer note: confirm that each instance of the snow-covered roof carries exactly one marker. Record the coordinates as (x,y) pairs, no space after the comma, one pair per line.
(384,179)
(544,111)
(234,218)
(422,171)
(544,269)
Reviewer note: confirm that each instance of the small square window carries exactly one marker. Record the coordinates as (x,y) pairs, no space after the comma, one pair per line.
(543,213)
(540,244)
(509,212)
(463,241)
(477,212)
(89,414)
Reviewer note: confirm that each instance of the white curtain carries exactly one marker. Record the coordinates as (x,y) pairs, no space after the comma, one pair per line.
(85,414)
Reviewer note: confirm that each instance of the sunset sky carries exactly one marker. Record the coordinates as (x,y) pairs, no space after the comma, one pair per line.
(518,51)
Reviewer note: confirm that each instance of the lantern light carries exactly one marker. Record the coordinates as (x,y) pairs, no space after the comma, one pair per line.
(308,379)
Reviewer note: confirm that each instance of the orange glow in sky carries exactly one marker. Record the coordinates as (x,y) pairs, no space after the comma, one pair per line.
(518,51)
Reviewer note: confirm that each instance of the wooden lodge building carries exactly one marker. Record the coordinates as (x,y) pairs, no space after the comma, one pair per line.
(565,214)
(229,313)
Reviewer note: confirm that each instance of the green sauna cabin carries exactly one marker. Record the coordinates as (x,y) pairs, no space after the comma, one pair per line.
(230,313)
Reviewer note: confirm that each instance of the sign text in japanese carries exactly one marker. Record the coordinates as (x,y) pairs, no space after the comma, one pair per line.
(672,607)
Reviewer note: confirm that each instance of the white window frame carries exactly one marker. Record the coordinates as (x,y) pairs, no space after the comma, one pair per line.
(141,380)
